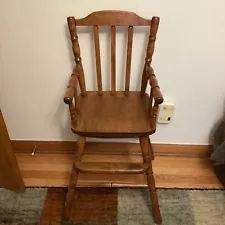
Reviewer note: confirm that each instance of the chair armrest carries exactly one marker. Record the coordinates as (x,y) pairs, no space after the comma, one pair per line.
(157,95)
(70,91)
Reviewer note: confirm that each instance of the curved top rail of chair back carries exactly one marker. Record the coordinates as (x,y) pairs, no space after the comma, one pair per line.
(113,18)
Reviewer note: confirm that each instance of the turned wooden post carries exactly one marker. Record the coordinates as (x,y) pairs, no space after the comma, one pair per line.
(149,52)
(76,51)
(147,156)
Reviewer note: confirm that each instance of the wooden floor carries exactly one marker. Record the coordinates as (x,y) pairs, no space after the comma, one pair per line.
(92,206)
(52,170)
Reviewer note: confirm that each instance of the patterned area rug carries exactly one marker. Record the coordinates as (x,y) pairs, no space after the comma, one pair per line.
(18,209)
(105,206)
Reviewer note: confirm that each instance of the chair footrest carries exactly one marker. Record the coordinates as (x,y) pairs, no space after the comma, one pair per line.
(105,167)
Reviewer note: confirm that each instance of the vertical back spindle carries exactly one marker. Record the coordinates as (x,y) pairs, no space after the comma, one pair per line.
(76,51)
(150,51)
(129,55)
(98,59)
(113,60)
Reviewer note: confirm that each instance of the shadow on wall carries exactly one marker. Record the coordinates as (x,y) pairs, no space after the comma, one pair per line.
(212,139)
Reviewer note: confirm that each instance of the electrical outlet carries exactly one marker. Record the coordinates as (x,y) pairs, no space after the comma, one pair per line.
(166,112)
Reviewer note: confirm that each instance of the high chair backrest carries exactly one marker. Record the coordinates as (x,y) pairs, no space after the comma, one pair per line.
(112,19)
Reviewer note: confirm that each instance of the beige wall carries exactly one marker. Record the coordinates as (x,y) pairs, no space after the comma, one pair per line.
(35,64)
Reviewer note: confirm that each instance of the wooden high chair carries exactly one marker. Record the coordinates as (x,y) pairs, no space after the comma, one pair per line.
(113,114)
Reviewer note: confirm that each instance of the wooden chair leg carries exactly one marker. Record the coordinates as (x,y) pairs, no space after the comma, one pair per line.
(73,180)
(144,141)
(70,196)
(151,149)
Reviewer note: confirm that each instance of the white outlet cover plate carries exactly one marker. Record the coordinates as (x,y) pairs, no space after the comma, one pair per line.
(166,112)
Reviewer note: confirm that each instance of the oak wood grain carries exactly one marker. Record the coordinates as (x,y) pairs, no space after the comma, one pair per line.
(53,170)
(83,123)
(98,59)
(144,141)
(113,18)
(70,198)
(113,116)
(111,167)
(156,93)
(10,176)
(129,55)
(71,89)
(113,60)
(76,51)
(149,52)
(111,148)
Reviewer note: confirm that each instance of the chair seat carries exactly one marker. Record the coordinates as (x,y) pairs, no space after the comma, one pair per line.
(112,116)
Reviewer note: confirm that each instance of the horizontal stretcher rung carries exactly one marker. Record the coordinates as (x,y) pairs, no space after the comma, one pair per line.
(111,168)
